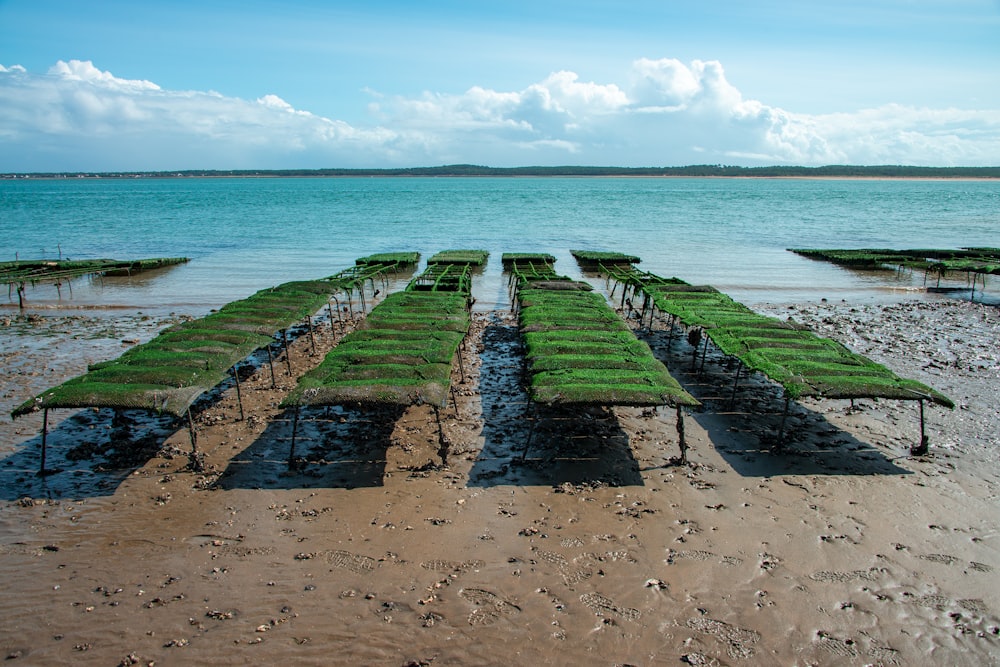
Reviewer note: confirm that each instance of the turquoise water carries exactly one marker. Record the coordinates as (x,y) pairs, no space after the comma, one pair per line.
(246,234)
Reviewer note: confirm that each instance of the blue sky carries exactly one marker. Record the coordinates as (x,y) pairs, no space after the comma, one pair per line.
(111,85)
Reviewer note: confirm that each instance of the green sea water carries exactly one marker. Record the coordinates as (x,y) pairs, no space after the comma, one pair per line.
(244,234)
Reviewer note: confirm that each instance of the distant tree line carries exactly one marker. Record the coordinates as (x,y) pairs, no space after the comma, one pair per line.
(702,170)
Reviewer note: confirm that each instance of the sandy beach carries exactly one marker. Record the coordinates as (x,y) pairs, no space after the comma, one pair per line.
(593,547)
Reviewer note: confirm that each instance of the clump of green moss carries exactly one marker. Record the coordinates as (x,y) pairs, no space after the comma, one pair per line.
(470,257)
(394,259)
(594,259)
(799,360)
(402,353)
(169,372)
(579,351)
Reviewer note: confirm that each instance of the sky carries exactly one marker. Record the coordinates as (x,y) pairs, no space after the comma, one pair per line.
(113,85)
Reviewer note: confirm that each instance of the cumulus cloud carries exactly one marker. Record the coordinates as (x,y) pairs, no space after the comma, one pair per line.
(673,113)
(79,70)
(670,85)
(663,112)
(78,117)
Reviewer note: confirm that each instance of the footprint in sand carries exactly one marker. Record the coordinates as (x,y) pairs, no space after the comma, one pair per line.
(974,605)
(829,576)
(938,602)
(844,648)
(883,654)
(740,641)
(696,554)
(489,606)
(239,551)
(603,606)
(349,561)
(484,616)
(944,559)
(453,566)
(692,554)
(551,557)
(574,577)
(570,576)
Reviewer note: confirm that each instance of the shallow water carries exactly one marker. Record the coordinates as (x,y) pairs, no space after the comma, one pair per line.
(246,234)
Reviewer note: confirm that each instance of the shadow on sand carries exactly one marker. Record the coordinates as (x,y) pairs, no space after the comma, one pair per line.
(92,451)
(88,454)
(743,420)
(334,447)
(576,446)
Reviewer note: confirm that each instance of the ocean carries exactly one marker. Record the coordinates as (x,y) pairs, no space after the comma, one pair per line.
(245,234)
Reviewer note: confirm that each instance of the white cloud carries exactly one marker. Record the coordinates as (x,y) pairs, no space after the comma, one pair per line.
(565,94)
(84,70)
(665,83)
(896,134)
(77,117)
(274,102)
(665,112)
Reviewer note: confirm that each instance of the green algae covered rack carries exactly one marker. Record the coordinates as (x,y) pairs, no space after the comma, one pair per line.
(167,374)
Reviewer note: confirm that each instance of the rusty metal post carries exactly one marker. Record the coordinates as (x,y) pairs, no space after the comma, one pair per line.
(288,353)
(681,441)
(239,393)
(45,429)
(312,337)
(270,363)
(732,398)
(923,447)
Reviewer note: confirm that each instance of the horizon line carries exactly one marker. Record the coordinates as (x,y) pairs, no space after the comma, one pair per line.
(885,170)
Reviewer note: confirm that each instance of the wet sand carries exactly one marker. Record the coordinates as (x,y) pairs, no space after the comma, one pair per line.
(595,547)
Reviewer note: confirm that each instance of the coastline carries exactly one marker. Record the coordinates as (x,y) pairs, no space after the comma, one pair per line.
(597,548)
(849,172)
(948,179)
